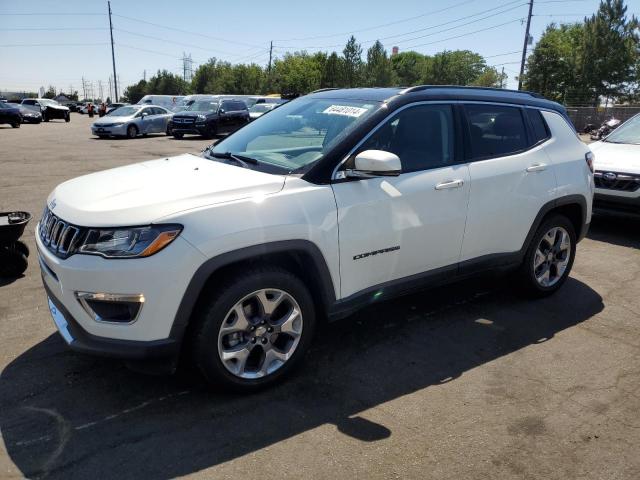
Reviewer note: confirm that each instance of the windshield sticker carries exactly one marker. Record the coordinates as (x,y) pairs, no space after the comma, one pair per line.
(345,110)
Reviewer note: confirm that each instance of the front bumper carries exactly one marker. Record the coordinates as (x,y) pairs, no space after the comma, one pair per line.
(115,131)
(616,201)
(161,278)
(185,129)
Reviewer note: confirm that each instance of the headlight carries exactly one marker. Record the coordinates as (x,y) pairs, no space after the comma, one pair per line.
(129,242)
(202,117)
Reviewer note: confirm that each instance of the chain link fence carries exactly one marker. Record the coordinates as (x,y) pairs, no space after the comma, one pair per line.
(583,116)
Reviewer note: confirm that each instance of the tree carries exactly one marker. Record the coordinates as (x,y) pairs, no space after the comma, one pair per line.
(378,69)
(133,93)
(352,63)
(490,78)
(51,92)
(166,83)
(331,74)
(611,46)
(297,73)
(454,67)
(408,67)
(203,75)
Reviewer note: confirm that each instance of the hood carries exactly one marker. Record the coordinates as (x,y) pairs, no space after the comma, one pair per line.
(57,107)
(109,119)
(142,193)
(193,113)
(616,157)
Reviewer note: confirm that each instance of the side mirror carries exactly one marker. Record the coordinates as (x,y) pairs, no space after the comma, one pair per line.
(375,163)
(144,114)
(221,111)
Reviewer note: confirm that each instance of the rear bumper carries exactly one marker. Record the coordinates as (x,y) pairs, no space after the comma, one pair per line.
(78,339)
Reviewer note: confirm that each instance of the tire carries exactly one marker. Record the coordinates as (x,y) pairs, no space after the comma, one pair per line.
(15,125)
(13,263)
(167,132)
(21,247)
(542,279)
(132,131)
(259,334)
(67,118)
(103,137)
(177,135)
(211,132)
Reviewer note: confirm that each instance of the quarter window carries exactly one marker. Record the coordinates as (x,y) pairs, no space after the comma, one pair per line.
(496,131)
(539,127)
(421,136)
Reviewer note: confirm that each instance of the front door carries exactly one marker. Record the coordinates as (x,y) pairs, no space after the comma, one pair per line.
(394,227)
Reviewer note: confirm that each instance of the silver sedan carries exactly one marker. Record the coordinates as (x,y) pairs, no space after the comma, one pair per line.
(132,120)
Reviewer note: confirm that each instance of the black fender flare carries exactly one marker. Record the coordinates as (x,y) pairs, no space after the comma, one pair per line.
(209,267)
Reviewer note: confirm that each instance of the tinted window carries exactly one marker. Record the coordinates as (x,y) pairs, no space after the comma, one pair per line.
(539,127)
(241,106)
(495,130)
(422,136)
(226,106)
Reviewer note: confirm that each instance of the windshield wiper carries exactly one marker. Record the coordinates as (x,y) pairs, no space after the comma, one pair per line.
(241,159)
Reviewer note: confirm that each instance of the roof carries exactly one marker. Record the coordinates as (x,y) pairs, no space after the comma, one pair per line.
(441,92)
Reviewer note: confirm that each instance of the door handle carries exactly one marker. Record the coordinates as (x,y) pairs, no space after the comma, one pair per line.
(537,167)
(449,184)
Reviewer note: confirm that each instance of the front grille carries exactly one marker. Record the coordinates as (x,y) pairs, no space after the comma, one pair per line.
(624,182)
(184,120)
(60,237)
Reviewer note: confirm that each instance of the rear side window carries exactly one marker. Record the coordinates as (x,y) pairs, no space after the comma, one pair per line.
(495,130)
(238,106)
(539,127)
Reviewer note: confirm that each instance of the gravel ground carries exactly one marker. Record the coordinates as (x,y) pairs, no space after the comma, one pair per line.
(465,382)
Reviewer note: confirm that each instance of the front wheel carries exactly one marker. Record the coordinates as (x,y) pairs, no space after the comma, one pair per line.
(254,331)
(132,131)
(549,258)
(15,125)
(177,135)
(67,118)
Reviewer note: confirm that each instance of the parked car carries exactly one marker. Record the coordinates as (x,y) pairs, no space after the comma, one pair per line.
(29,115)
(49,109)
(112,106)
(617,169)
(210,118)
(131,121)
(331,202)
(10,114)
(260,109)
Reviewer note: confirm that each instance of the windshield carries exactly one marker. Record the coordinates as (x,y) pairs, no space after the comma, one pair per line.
(202,106)
(46,101)
(297,133)
(628,132)
(261,107)
(124,111)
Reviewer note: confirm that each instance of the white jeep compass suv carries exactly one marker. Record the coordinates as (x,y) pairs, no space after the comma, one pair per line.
(331,202)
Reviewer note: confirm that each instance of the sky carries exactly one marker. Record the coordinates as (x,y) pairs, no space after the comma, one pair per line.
(46,42)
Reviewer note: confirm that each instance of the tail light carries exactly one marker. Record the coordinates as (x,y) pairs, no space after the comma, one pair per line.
(589,157)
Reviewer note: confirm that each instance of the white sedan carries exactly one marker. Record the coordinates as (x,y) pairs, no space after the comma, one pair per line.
(132,120)
(617,169)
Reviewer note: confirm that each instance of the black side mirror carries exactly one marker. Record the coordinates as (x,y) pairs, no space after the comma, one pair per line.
(221,111)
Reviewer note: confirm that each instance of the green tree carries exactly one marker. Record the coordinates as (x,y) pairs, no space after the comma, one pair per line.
(166,83)
(331,74)
(379,72)
(352,63)
(133,93)
(490,77)
(454,67)
(51,92)
(203,75)
(611,42)
(297,73)
(408,67)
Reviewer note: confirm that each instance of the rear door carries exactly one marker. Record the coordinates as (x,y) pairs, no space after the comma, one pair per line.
(511,179)
(392,228)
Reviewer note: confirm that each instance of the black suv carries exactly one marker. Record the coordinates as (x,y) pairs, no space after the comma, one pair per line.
(210,117)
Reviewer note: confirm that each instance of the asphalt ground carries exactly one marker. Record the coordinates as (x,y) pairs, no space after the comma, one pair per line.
(465,382)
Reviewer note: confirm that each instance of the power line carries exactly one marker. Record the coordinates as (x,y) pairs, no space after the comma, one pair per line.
(190,45)
(57,14)
(219,39)
(53,44)
(407,19)
(47,29)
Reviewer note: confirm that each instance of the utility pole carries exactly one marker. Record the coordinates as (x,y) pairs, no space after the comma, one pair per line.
(502,78)
(144,75)
(113,55)
(100,90)
(84,90)
(524,47)
(269,69)
(110,95)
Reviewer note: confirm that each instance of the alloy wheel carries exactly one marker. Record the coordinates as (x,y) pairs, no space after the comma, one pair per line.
(552,257)
(260,333)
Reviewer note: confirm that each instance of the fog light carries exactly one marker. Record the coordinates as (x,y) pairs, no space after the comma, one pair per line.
(110,307)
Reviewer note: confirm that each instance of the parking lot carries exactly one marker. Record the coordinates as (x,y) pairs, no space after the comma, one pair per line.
(464,382)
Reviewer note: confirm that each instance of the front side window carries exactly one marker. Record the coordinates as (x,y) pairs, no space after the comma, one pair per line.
(496,131)
(202,106)
(124,111)
(422,137)
(298,133)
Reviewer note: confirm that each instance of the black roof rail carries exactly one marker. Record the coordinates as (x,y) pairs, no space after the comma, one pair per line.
(419,88)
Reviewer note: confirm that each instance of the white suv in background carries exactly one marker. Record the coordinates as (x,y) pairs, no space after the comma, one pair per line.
(332,202)
(617,169)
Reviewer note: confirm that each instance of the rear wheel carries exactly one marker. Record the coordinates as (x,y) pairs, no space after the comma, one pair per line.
(132,131)
(45,117)
(67,118)
(15,125)
(254,331)
(549,258)
(177,135)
